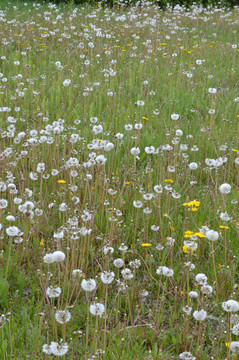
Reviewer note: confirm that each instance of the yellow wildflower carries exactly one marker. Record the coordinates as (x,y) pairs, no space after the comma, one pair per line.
(169,181)
(200,235)
(185,249)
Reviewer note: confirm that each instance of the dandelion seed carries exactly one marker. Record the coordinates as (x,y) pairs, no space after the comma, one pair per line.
(200,315)
(88,285)
(135,151)
(53,292)
(175,116)
(230,306)
(58,256)
(62,316)
(164,270)
(97,309)
(225,188)
(137,204)
(77,273)
(193,166)
(107,277)
(66,82)
(47,349)
(127,274)
(193,294)
(140,102)
(13,231)
(234,347)
(118,263)
(59,349)
(186,355)
(3,203)
(201,279)
(48,258)
(212,235)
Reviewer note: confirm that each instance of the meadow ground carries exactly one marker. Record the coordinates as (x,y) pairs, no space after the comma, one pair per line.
(119,182)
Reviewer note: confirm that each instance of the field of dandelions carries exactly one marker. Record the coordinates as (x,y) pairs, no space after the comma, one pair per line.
(119,180)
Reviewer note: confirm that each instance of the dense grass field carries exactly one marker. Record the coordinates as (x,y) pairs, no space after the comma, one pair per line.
(119,164)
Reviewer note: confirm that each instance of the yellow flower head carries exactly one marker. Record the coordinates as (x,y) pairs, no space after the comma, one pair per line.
(61,181)
(146,244)
(187,234)
(185,249)
(169,181)
(200,235)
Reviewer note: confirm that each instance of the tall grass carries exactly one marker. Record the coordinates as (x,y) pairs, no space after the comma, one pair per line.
(118,128)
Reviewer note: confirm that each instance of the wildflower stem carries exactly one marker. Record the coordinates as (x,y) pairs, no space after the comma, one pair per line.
(215,271)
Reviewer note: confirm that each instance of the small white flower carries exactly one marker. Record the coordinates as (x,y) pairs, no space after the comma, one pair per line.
(234,346)
(175,116)
(53,292)
(127,274)
(108,250)
(97,129)
(225,216)
(140,102)
(225,188)
(193,166)
(235,329)
(63,207)
(135,264)
(155,227)
(77,273)
(187,355)
(200,315)
(212,235)
(66,82)
(97,309)
(211,111)
(150,150)
(135,151)
(193,294)
(100,159)
(123,247)
(13,231)
(41,167)
(201,279)
(10,218)
(62,316)
(3,203)
(230,306)
(58,256)
(138,126)
(48,259)
(47,349)
(164,270)
(88,285)
(179,133)
(158,189)
(212,90)
(118,263)
(187,310)
(128,127)
(59,349)
(206,289)
(107,277)
(137,204)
